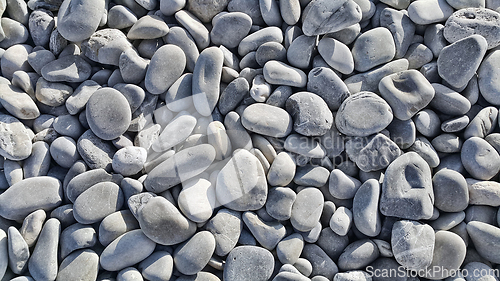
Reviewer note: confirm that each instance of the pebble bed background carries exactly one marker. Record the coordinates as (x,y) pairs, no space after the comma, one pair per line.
(249,140)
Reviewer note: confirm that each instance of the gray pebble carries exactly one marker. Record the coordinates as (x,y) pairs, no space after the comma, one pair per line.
(17,102)
(82,265)
(233,94)
(407,98)
(15,33)
(342,186)
(449,253)
(450,191)
(336,54)
(86,179)
(427,123)
(341,221)
(270,11)
(64,214)
(254,40)
(367,49)
(15,58)
(13,171)
(79,15)
(341,15)
(251,8)
(321,263)
(52,93)
(377,115)
(426,150)
(206,10)
(306,209)
(365,207)
(129,160)
(258,264)
(38,163)
(290,11)
(270,51)
(64,151)
(68,125)
(376,153)
(447,221)
(267,120)
(480,159)
(148,27)
(434,38)
(483,123)
(402,133)
(408,172)
(268,234)
(120,17)
(158,266)
(311,114)
(328,85)
(401,28)
(487,74)
(67,69)
(97,202)
(126,250)
(412,244)
(418,55)
(448,101)
(226,226)
(77,101)
(429,11)
(470,21)
(358,255)
(206,79)
(456,124)
(31,227)
(482,192)
(43,264)
(105,46)
(18,251)
(193,255)
(38,59)
(18,10)
(289,248)
(332,243)
(300,51)
(77,236)
(15,142)
(41,24)
(457,72)
(116,224)
(133,67)
(25,197)
(195,27)
(278,73)
(310,175)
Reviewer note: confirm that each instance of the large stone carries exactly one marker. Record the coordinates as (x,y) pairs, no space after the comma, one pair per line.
(412,244)
(249,263)
(324,16)
(78,19)
(470,21)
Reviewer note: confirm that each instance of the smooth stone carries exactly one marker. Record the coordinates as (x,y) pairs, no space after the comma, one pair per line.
(106,46)
(480,159)
(178,97)
(451,192)
(282,170)
(15,58)
(126,250)
(18,10)
(483,192)
(310,175)
(401,28)
(434,38)
(182,166)
(158,266)
(483,123)
(97,202)
(197,200)
(86,179)
(43,263)
(133,67)
(456,124)
(484,272)
(470,21)
(483,236)
(15,33)
(17,102)
(267,120)
(341,221)
(407,188)
(174,133)
(300,51)
(68,125)
(366,216)
(418,55)
(278,73)
(134,94)
(377,115)
(129,160)
(429,11)
(162,222)
(446,221)
(159,79)
(25,81)
(41,24)
(412,244)
(289,248)
(83,16)
(226,226)
(206,10)
(260,89)
(238,135)
(306,209)
(13,171)
(270,51)
(32,225)
(336,54)
(64,151)
(229,29)
(427,123)
(457,72)
(121,17)
(358,255)
(52,93)
(332,243)
(304,146)
(487,78)
(25,197)
(77,101)
(67,69)
(233,94)
(407,92)
(254,40)
(241,184)
(321,17)
(327,84)
(129,273)
(342,186)
(449,253)
(18,251)
(248,262)
(448,101)
(268,234)
(369,81)
(108,113)
(367,49)
(77,236)
(193,255)
(270,12)
(206,79)
(321,263)
(310,113)
(116,224)
(64,214)
(38,59)
(352,275)
(15,142)
(148,27)
(195,27)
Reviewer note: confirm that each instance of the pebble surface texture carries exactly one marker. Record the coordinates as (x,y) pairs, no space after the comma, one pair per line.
(249,140)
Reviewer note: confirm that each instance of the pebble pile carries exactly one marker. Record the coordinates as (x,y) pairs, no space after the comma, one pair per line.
(249,140)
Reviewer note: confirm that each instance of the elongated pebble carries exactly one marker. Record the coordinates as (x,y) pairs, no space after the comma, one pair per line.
(279,73)
(206,78)
(43,264)
(267,120)
(159,77)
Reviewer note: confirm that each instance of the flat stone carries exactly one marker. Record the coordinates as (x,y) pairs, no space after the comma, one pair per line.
(83,16)
(407,92)
(126,250)
(456,124)
(321,17)
(412,244)
(248,262)
(487,77)
(278,73)
(358,255)
(106,46)
(77,236)
(429,11)
(197,199)
(457,72)
(25,197)
(241,184)
(407,188)
(67,69)
(108,113)
(483,192)
(97,202)
(306,209)
(158,78)
(43,263)
(448,101)
(470,21)
(480,159)
(158,266)
(182,166)
(148,27)
(377,115)
(310,113)
(367,49)
(193,255)
(116,224)
(365,208)
(226,226)
(270,51)
(229,29)
(310,175)
(15,142)
(267,120)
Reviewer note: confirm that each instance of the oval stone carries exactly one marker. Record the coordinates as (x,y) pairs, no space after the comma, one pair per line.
(488,77)
(278,73)
(307,209)
(327,16)
(206,80)
(81,265)
(78,19)
(165,67)
(229,29)
(363,114)
(480,159)
(267,120)
(97,202)
(192,256)
(108,113)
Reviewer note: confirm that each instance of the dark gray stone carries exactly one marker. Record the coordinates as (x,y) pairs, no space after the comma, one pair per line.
(327,84)
(358,255)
